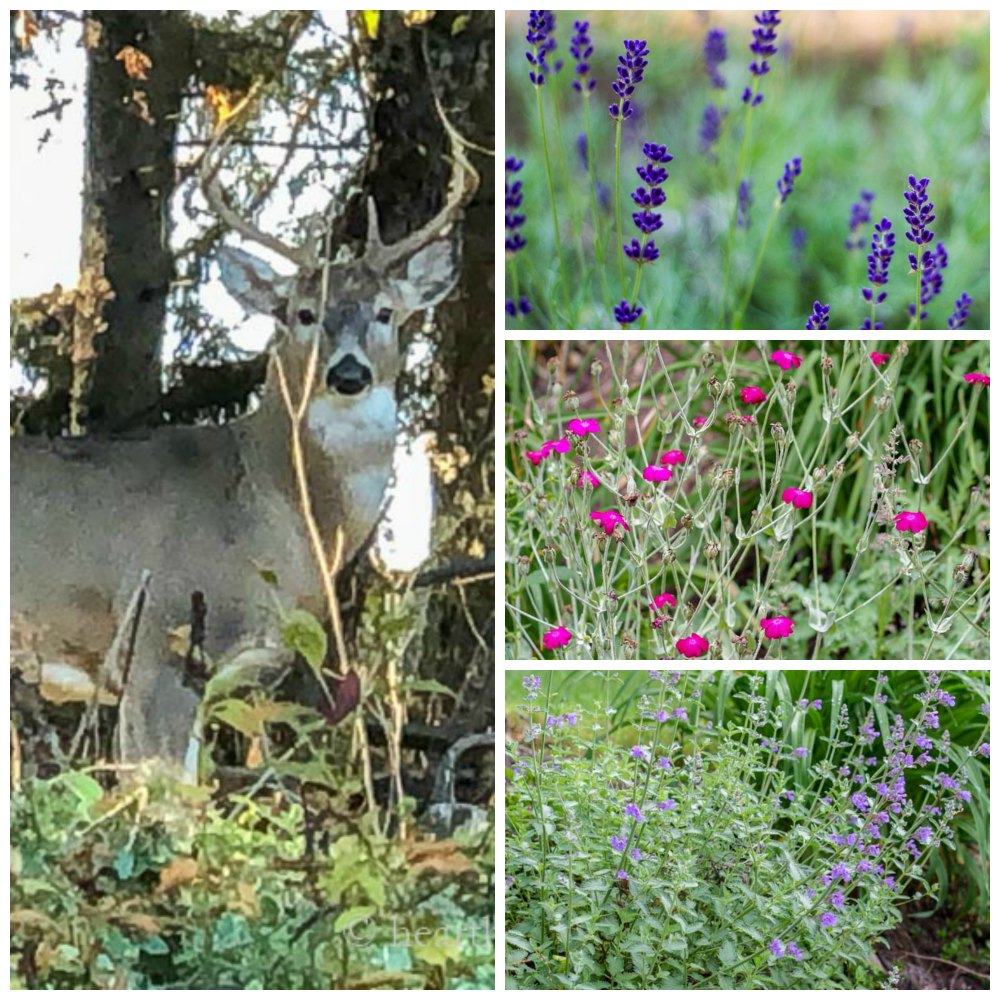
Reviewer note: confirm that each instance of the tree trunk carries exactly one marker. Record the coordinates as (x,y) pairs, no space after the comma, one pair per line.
(131,130)
(408,178)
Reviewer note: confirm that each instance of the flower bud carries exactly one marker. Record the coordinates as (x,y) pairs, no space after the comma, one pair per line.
(669,557)
(827,364)
(711,550)
(714,387)
(838,469)
(778,433)
(728,387)
(790,390)
(853,441)
(685,521)
(708,360)
(819,473)
(916,447)
(902,348)
(596,370)
(882,403)
(571,400)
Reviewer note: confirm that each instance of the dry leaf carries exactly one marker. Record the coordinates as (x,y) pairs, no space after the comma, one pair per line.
(25,28)
(92,32)
(180,871)
(255,754)
(444,857)
(136,63)
(221,102)
(413,18)
(31,918)
(142,104)
(145,923)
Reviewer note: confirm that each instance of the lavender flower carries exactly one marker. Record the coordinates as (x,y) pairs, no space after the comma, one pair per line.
(635,854)
(819,320)
(984,750)
(715,55)
(918,214)
(522,304)
(532,682)
(828,920)
(513,219)
(800,752)
(630,68)
(776,948)
(792,951)
(763,47)
(581,50)
(541,26)
(957,319)
(786,182)
(626,314)
(860,216)
(883,248)
(668,804)
(708,132)
(837,899)
(744,200)
(618,843)
(639,752)
(931,279)
(633,810)
(797,238)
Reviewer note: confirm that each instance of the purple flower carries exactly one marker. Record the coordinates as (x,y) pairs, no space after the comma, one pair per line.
(828,920)
(618,843)
(661,715)
(715,55)
(867,732)
(883,248)
(679,713)
(944,698)
(635,854)
(633,810)
(860,802)
(532,682)
(523,304)
(800,752)
(957,319)
(797,238)
(621,875)
(646,220)
(860,216)
(786,182)
(840,871)
(639,752)
(985,708)
(931,279)
(541,25)
(837,899)
(792,951)
(744,201)
(776,948)
(626,314)
(630,68)
(708,132)
(763,47)
(864,866)
(819,320)
(666,805)
(663,763)
(984,750)
(918,214)
(817,704)
(931,720)
(890,882)
(570,718)
(513,219)
(913,849)
(581,50)
(924,834)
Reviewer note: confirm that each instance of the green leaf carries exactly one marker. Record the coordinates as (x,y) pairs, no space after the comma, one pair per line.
(124,864)
(727,954)
(352,917)
(303,633)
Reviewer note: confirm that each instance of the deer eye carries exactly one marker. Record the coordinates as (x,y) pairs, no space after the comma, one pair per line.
(384,315)
(306,317)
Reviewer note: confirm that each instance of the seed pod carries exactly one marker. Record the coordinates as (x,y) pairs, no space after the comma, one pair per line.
(714,387)
(882,403)
(571,400)
(827,364)
(711,550)
(838,469)
(819,473)
(778,433)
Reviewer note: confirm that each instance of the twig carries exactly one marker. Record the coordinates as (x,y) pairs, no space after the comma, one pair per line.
(944,961)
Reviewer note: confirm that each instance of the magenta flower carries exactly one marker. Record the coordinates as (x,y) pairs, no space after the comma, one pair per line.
(777,628)
(656,474)
(692,645)
(879,359)
(660,599)
(556,637)
(674,457)
(797,498)
(910,520)
(609,520)
(977,377)
(752,394)
(561,446)
(583,427)
(785,360)
(700,421)
(535,457)
(588,477)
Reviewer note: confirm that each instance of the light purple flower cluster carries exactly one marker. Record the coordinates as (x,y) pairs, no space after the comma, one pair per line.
(786,182)
(956,321)
(763,47)
(860,216)
(630,70)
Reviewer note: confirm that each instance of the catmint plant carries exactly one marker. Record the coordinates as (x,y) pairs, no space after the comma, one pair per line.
(709,830)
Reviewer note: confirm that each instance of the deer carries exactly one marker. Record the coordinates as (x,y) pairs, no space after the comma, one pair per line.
(117,542)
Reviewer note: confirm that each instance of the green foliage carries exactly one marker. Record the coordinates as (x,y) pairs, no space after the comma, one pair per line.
(860,118)
(152,885)
(911,435)
(738,861)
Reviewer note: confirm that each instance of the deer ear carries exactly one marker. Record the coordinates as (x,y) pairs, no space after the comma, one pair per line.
(253,282)
(431,273)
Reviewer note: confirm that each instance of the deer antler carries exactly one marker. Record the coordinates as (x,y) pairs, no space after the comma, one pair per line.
(462,185)
(208,175)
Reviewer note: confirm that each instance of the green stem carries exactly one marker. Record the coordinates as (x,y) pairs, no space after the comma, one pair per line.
(738,316)
(618,198)
(552,198)
(598,246)
(744,147)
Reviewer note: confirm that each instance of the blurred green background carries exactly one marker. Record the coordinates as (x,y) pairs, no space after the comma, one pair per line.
(865,98)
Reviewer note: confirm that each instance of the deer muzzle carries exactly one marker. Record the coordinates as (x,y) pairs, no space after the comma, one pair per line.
(349,376)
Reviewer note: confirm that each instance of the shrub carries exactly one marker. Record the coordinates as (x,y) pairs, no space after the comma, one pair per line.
(766,851)
(745,501)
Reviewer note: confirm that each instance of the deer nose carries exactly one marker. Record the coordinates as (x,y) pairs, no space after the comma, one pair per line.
(349,376)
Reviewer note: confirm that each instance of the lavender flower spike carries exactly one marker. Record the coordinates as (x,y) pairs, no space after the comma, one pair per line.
(820,317)
(708,133)
(581,50)
(957,319)
(763,47)
(786,182)
(744,200)
(512,219)
(541,26)
(883,248)
(630,68)
(860,216)
(715,55)
(931,278)
(626,314)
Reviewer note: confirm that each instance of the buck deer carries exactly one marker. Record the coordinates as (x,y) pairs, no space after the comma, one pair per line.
(114,541)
